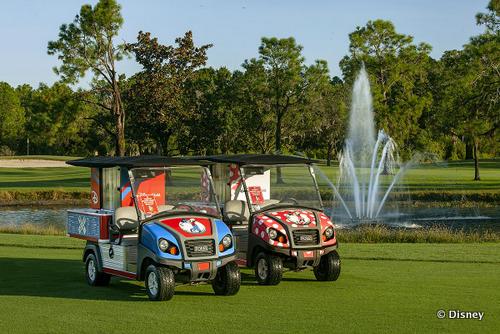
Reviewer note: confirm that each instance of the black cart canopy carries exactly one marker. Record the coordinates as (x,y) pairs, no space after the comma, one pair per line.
(259,159)
(138,161)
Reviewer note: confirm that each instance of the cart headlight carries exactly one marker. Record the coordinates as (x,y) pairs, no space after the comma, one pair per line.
(329,233)
(225,243)
(273,234)
(276,236)
(163,245)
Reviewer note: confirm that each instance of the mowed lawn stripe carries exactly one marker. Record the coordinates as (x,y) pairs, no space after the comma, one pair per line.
(44,291)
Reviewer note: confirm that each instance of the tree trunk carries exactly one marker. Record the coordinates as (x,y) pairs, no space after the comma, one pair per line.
(120,135)
(329,154)
(476,160)
(279,178)
(120,120)
(469,149)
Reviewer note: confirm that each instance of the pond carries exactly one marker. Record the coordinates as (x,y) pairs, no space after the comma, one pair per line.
(455,218)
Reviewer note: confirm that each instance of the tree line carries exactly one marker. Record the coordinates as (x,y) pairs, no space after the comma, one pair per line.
(276,102)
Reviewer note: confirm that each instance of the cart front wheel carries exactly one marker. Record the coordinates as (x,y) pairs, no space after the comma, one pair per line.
(228,280)
(328,268)
(92,274)
(268,269)
(160,283)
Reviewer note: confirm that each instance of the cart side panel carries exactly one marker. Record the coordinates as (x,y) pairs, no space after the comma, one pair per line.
(95,187)
(89,224)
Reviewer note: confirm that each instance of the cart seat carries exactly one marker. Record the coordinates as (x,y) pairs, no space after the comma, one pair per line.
(236,212)
(126,219)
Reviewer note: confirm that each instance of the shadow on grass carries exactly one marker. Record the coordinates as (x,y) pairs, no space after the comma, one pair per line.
(250,280)
(66,279)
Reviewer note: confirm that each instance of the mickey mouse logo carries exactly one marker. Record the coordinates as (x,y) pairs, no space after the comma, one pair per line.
(191,225)
(95,197)
(298,218)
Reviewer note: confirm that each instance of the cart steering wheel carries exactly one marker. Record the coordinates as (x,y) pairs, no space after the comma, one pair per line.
(288,200)
(183,205)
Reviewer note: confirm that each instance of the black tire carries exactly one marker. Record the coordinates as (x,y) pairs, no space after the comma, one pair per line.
(92,274)
(274,272)
(328,268)
(160,283)
(228,280)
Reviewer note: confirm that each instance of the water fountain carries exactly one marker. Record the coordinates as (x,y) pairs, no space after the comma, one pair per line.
(365,158)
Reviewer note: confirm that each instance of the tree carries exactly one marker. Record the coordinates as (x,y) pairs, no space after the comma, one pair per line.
(87,44)
(282,80)
(56,121)
(210,128)
(325,124)
(156,96)
(398,75)
(11,117)
(472,85)
(255,121)
(284,67)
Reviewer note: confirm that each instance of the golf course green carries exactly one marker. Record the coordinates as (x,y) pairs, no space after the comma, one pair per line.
(383,288)
(449,182)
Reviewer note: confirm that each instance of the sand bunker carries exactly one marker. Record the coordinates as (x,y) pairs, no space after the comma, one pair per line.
(30,163)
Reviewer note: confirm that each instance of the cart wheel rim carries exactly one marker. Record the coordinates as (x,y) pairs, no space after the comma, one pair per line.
(152,283)
(91,270)
(262,268)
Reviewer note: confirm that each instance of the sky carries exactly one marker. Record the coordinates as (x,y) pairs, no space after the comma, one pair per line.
(234,27)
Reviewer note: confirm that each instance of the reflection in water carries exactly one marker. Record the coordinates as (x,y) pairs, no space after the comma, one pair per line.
(455,218)
(40,216)
(470,219)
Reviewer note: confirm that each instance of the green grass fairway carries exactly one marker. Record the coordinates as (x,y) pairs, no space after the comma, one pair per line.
(385,288)
(47,178)
(443,176)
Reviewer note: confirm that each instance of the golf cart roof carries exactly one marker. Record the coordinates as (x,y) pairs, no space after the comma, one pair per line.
(259,159)
(137,161)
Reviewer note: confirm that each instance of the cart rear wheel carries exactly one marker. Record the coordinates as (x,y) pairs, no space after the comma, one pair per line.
(328,268)
(228,280)
(92,274)
(160,283)
(268,269)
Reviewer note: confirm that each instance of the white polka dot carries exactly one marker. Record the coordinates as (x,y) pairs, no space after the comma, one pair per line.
(275,225)
(294,225)
(260,222)
(262,234)
(274,213)
(271,242)
(256,230)
(280,244)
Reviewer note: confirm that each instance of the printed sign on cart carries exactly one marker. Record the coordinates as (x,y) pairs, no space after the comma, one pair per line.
(258,185)
(84,225)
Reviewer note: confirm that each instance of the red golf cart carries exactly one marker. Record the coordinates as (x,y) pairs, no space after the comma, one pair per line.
(274,208)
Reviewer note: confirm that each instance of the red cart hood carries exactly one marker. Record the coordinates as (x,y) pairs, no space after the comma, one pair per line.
(294,217)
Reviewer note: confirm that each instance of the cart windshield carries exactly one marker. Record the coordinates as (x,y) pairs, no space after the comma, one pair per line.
(186,188)
(269,187)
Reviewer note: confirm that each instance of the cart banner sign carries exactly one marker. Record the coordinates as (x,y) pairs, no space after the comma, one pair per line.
(258,185)
(95,188)
(256,195)
(151,194)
